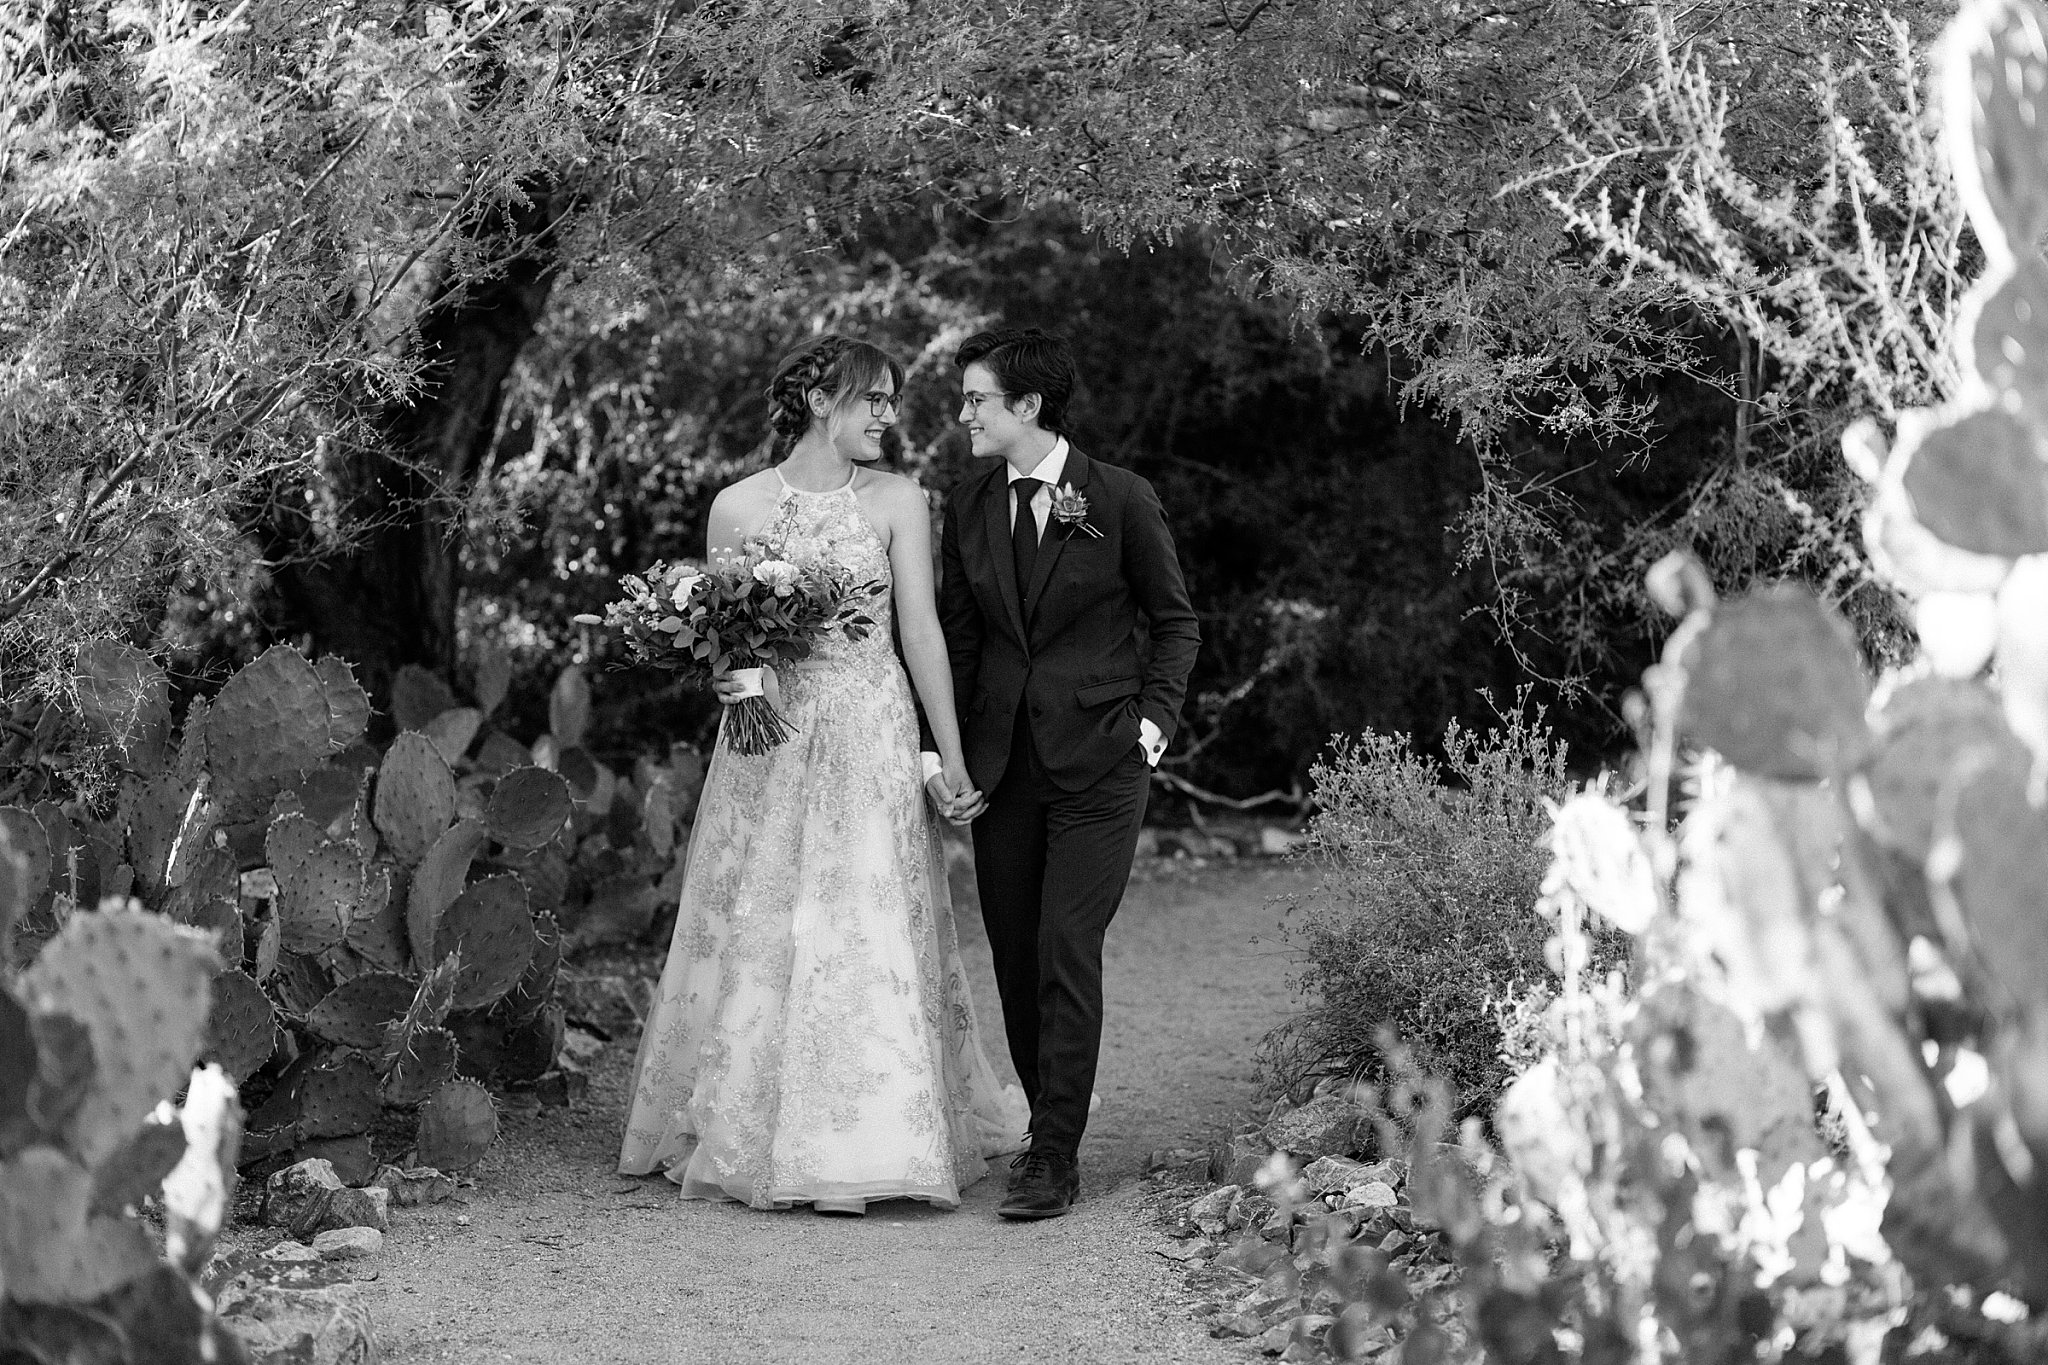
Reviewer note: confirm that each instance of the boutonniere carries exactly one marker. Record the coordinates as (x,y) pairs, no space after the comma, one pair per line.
(1070,509)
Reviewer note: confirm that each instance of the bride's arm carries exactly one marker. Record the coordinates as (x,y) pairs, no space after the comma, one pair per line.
(731,520)
(917,618)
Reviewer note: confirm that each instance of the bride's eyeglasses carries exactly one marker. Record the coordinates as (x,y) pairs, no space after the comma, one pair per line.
(879,402)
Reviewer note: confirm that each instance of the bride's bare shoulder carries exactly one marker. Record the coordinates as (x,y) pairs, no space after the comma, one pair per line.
(756,488)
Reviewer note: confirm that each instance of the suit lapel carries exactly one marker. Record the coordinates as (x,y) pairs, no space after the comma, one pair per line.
(995,520)
(1056,535)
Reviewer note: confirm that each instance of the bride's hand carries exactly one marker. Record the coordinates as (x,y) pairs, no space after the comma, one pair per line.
(967,801)
(729,689)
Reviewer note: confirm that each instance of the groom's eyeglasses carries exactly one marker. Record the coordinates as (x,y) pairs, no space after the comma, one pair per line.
(879,402)
(972,401)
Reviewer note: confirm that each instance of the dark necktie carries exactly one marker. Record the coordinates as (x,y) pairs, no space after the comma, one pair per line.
(1024,535)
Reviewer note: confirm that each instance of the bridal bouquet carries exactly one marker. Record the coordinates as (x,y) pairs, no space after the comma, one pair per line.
(738,616)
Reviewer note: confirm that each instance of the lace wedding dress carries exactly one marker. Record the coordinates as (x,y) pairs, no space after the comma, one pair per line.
(812,1039)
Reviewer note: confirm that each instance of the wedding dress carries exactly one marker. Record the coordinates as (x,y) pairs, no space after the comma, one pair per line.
(812,1039)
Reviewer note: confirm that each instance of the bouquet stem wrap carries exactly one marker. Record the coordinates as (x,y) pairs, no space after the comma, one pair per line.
(752,725)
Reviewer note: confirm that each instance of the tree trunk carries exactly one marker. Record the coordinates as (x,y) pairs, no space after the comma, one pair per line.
(390,599)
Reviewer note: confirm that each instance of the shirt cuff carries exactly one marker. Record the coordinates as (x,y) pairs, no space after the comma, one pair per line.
(1151,741)
(932,766)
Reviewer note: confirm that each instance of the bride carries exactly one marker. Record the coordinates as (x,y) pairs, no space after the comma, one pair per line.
(812,1039)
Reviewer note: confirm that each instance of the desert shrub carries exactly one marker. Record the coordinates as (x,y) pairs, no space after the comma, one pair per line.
(1423,918)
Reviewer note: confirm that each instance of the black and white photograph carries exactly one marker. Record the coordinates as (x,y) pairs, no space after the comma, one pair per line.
(1061,682)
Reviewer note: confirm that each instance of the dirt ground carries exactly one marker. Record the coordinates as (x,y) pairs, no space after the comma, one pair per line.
(554,1258)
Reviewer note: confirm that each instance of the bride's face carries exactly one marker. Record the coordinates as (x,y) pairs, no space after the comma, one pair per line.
(858,420)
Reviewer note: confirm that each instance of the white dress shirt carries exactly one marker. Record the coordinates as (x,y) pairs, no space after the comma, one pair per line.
(1048,472)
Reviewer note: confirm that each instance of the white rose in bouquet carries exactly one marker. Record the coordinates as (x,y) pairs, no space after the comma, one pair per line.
(685,585)
(779,574)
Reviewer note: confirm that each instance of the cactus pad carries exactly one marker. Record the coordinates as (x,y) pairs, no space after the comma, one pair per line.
(357,1012)
(529,807)
(1775,685)
(140,986)
(241,1026)
(1922,729)
(458,1123)
(1998,874)
(491,927)
(137,1168)
(339,1098)
(51,1251)
(125,696)
(417,696)
(431,1002)
(426,1063)
(376,928)
(270,720)
(569,707)
(1979,486)
(415,797)
(436,882)
(536,986)
(493,675)
(348,707)
(195,1193)
(25,837)
(453,731)
(318,890)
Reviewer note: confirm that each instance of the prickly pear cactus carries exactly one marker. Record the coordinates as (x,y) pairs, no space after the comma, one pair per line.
(95,1040)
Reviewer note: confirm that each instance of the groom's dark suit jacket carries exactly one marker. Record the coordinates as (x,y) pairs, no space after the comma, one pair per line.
(1101,636)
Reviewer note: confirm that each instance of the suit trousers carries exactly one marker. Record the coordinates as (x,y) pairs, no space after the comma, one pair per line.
(1051,866)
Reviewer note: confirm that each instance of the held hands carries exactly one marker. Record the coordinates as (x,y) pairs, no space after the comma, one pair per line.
(953,791)
(729,689)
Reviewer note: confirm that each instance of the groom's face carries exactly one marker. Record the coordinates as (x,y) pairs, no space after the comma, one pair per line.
(996,422)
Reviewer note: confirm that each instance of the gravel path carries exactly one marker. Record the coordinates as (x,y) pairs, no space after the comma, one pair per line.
(554,1258)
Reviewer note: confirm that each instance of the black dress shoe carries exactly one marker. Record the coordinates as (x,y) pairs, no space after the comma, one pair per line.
(1045,1186)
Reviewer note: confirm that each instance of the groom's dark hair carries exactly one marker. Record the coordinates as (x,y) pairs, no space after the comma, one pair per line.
(1026,360)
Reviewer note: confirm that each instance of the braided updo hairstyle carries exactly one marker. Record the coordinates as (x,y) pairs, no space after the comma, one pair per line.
(839,365)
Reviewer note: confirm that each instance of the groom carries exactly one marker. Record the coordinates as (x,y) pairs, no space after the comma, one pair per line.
(1071,639)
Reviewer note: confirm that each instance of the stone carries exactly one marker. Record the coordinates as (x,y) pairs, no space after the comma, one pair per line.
(567,1084)
(1329,1173)
(1329,1125)
(1252,1255)
(1179,1164)
(1301,1331)
(287,1192)
(291,1251)
(344,1208)
(421,1185)
(581,1045)
(326,1326)
(1275,842)
(1248,1209)
(1373,1194)
(348,1244)
(1393,1171)
(1241,1159)
(1210,1211)
(351,1158)
(601,1003)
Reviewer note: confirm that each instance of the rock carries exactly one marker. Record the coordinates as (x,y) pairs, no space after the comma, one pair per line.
(287,1192)
(344,1208)
(348,1244)
(326,1326)
(1393,1171)
(1301,1331)
(1210,1211)
(1275,842)
(1179,1163)
(580,1045)
(351,1158)
(562,1087)
(1252,1255)
(291,1251)
(1329,1125)
(421,1185)
(1240,1159)
(1328,1173)
(1247,1209)
(603,1004)
(1373,1194)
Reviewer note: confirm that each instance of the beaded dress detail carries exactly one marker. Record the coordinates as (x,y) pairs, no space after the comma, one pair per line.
(812,1038)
